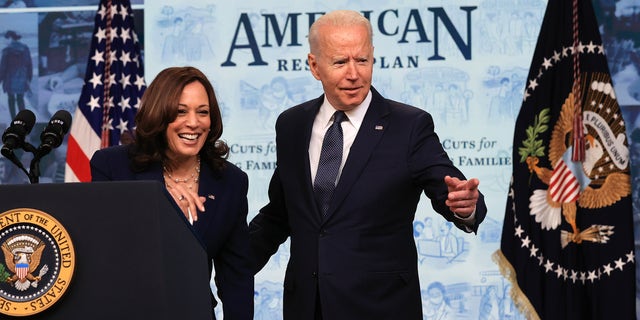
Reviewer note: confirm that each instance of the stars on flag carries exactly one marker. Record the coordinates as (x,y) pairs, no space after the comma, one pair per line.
(114,85)
(556,57)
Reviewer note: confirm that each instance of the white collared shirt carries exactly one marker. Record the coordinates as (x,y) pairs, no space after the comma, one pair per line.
(350,128)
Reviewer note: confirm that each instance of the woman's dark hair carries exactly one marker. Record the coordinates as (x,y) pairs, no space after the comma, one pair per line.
(159,107)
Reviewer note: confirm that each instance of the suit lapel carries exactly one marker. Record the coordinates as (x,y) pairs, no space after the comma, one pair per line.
(303,167)
(370,133)
(208,187)
(212,189)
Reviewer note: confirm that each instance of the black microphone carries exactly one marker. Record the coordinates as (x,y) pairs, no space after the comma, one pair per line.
(53,134)
(14,136)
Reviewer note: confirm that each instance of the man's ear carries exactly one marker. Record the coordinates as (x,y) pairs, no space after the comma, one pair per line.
(313,65)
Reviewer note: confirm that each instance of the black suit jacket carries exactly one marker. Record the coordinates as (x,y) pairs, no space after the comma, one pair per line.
(222,227)
(361,258)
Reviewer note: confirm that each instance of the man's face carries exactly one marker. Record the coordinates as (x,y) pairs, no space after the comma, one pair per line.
(344,64)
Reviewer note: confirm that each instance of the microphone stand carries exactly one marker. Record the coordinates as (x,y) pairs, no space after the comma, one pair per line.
(9,154)
(34,169)
(38,154)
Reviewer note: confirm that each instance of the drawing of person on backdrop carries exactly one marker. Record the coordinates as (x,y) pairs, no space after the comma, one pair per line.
(16,71)
(268,108)
(500,105)
(196,43)
(269,305)
(456,107)
(274,98)
(415,95)
(418,229)
(173,48)
(448,241)
(280,92)
(428,232)
(437,306)
(440,102)
(508,308)
(490,305)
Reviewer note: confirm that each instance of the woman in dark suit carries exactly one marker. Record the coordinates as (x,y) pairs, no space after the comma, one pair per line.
(176,142)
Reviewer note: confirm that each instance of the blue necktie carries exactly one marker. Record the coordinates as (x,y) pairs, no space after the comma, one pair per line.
(329,164)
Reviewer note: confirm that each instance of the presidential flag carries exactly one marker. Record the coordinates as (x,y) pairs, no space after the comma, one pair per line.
(114,84)
(567,241)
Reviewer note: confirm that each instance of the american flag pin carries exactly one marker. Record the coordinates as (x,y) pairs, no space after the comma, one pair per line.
(212,197)
(378,128)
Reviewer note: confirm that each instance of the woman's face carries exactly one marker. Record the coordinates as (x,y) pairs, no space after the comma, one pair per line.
(188,132)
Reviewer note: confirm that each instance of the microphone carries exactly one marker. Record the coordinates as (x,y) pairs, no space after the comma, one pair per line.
(14,136)
(53,134)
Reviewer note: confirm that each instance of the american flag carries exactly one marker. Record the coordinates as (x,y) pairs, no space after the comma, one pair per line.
(567,246)
(114,84)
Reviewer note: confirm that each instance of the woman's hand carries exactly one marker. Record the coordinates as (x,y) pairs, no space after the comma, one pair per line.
(187,199)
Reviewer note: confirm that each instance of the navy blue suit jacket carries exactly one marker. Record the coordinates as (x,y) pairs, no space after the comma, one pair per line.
(362,257)
(222,227)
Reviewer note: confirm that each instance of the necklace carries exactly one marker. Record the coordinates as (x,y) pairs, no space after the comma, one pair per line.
(195,176)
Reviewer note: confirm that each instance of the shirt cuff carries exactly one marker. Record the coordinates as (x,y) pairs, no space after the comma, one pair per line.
(472,216)
(467,221)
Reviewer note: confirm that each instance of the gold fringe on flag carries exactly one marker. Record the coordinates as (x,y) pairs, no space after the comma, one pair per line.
(517,296)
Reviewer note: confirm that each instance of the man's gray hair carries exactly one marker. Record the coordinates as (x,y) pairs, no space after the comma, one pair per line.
(338,18)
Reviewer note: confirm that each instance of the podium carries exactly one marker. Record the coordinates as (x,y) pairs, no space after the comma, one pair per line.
(136,256)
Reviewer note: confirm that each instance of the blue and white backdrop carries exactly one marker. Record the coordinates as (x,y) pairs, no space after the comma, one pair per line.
(465,62)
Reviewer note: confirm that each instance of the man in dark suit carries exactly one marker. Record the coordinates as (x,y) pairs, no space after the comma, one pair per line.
(354,257)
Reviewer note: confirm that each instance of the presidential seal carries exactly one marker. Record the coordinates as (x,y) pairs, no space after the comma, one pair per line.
(37,264)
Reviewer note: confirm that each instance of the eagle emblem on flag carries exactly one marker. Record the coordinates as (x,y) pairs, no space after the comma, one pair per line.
(22,254)
(599,181)
(567,243)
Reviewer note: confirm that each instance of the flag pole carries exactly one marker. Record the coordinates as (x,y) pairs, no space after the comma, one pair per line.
(578,154)
(104,138)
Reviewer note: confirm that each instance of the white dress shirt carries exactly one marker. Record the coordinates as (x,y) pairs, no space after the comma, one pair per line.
(350,128)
